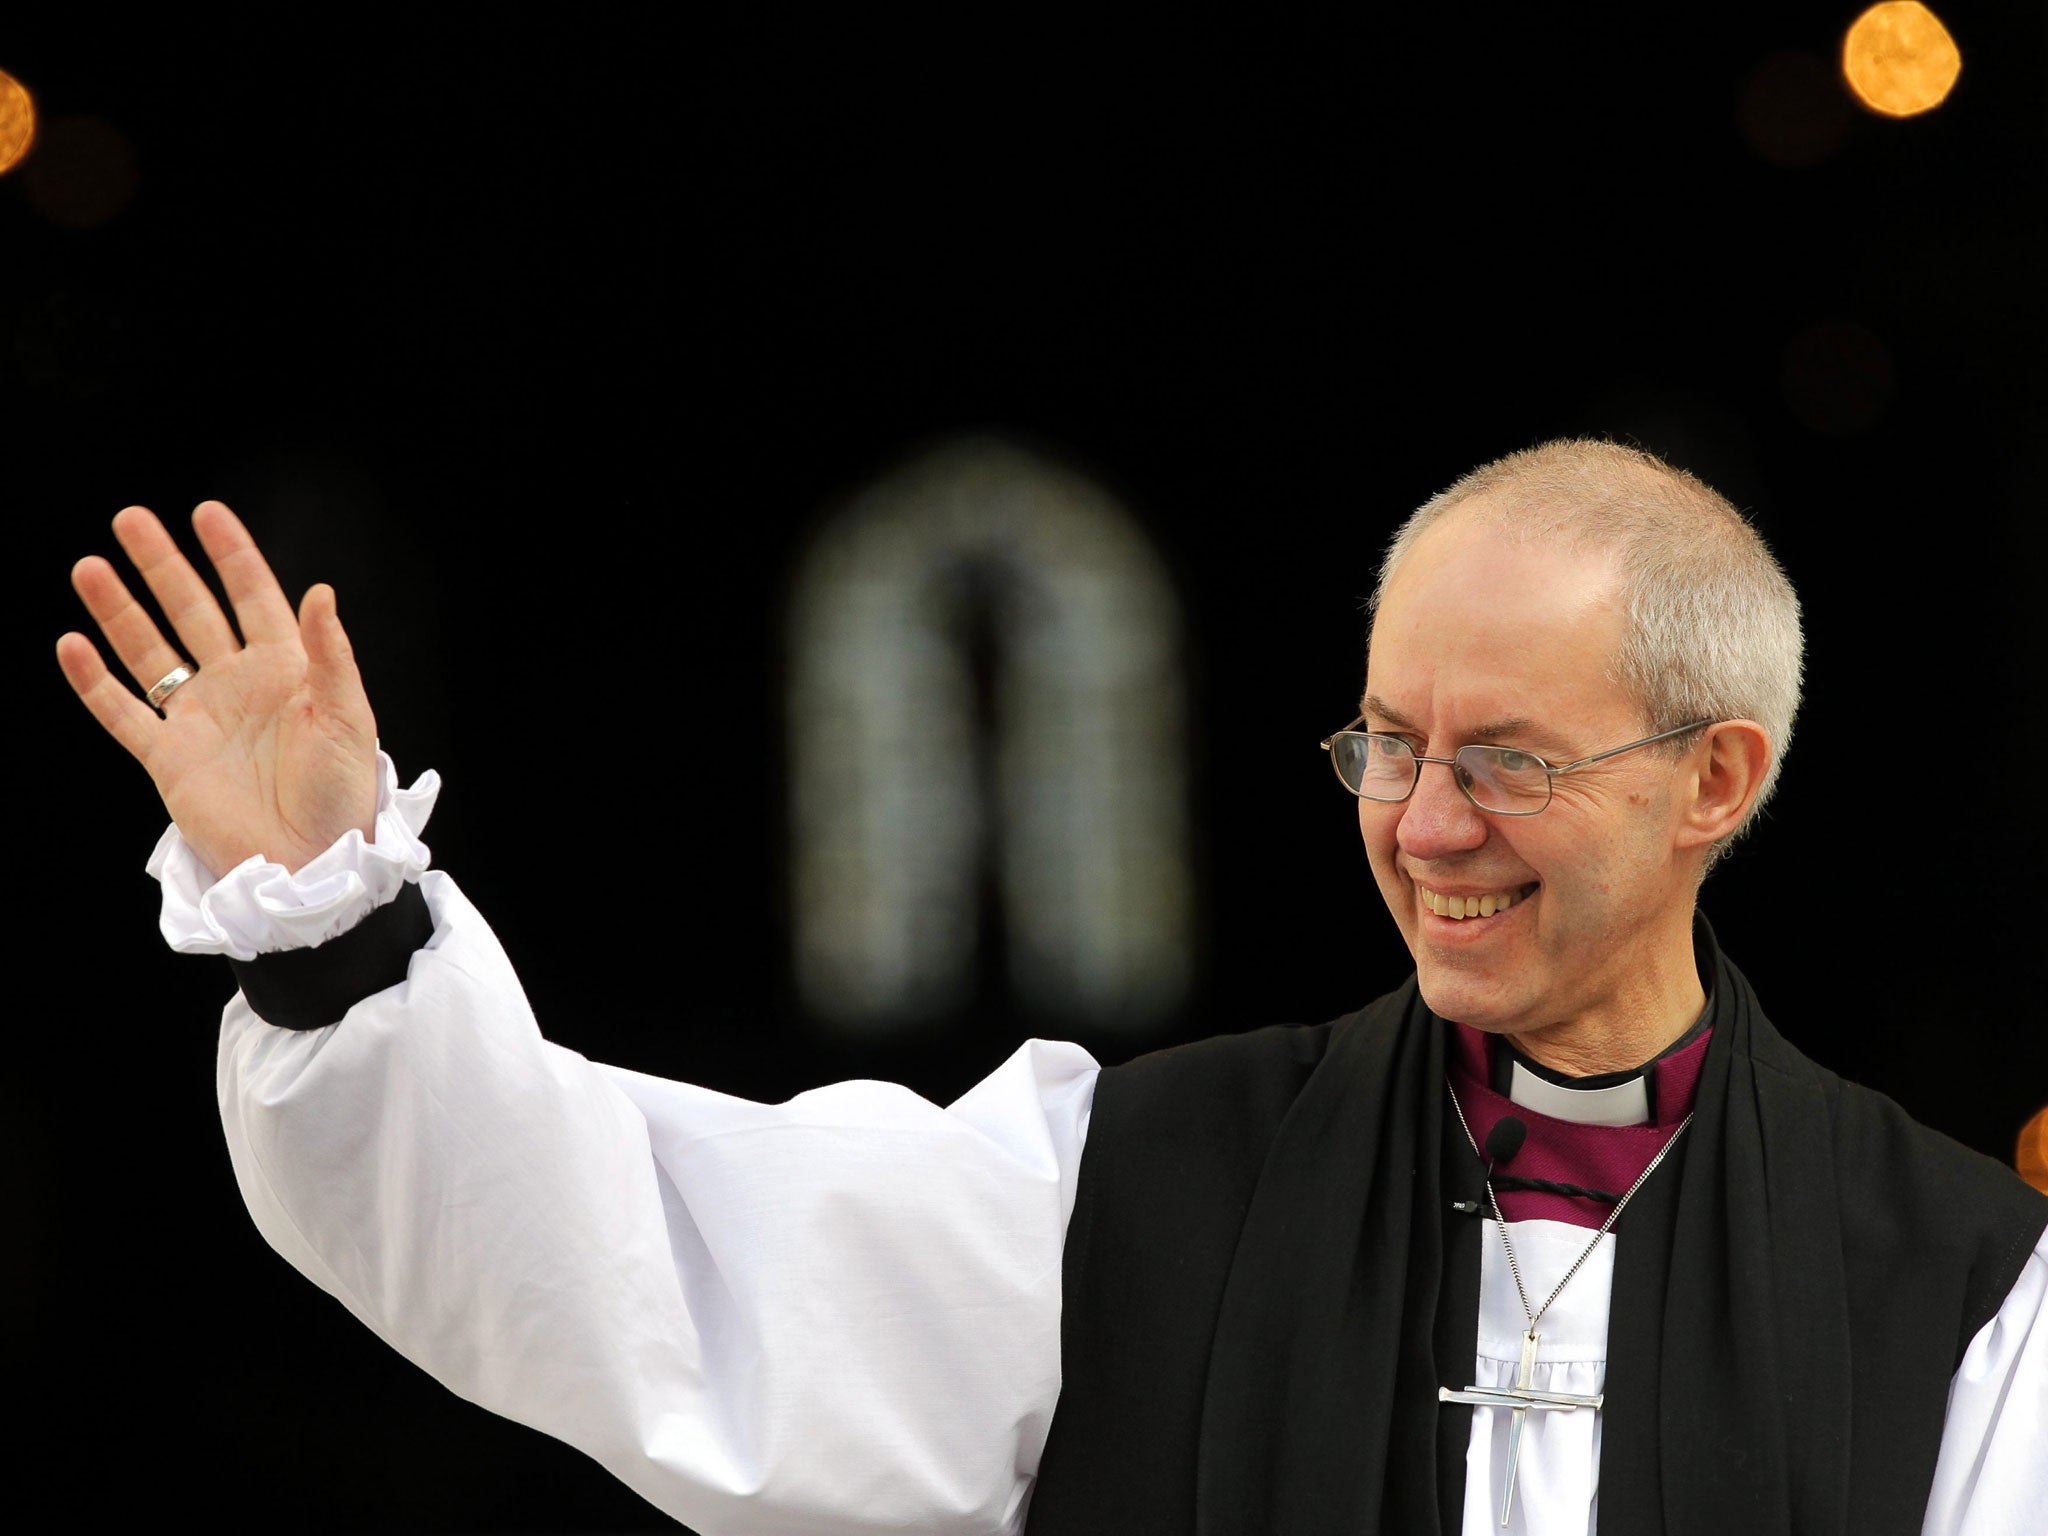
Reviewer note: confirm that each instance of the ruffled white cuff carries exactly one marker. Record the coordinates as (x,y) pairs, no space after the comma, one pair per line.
(258,907)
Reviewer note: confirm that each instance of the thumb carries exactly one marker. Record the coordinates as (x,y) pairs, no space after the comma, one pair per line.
(331,670)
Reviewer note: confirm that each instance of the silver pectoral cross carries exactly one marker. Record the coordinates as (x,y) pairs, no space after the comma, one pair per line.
(1519,1398)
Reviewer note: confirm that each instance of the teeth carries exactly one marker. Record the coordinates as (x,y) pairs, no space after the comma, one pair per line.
(1462,907)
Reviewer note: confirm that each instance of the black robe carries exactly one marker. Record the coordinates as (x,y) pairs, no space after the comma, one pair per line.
(1266,1283)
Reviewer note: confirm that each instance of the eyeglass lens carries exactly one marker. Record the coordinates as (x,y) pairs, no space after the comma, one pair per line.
(1497,778)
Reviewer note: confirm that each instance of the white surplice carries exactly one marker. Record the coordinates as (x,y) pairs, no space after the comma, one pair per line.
(1558,1475)
(833,1316)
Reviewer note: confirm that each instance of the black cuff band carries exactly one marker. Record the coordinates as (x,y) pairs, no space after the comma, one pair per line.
(312,988)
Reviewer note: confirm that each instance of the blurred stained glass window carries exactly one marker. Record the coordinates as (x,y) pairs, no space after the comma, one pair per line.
(987,739)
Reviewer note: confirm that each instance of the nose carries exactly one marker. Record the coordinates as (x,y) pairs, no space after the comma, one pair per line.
(1437,820)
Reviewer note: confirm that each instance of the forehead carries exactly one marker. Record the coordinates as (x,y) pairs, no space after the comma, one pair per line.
(1478,625)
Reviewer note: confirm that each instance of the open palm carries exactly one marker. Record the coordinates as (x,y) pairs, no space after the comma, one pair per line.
(271,748)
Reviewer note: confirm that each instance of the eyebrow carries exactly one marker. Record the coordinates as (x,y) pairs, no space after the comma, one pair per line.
(1514,725)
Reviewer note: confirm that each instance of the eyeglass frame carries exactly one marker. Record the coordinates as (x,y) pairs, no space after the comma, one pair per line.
(1463,788)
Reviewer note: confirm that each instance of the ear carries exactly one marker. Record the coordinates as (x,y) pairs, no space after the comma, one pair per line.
(1727,768)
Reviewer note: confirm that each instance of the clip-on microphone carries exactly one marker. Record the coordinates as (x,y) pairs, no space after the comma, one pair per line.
(1502,1143)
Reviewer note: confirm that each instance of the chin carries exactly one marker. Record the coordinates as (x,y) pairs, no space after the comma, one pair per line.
(1470,1000)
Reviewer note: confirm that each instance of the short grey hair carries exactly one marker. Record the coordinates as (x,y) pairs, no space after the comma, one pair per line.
(1712,622)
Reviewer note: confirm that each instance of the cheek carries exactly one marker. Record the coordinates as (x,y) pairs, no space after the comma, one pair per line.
(1378,828)
(1593,869)
(1377,825)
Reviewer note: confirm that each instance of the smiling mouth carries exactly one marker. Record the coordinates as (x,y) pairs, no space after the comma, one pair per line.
(1461,908)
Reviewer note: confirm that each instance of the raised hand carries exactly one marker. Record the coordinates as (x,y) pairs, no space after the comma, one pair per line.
(270,748)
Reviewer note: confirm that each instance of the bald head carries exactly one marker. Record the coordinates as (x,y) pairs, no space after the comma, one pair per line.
(1711,628)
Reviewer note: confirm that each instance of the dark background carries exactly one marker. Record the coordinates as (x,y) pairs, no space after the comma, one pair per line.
(547,346)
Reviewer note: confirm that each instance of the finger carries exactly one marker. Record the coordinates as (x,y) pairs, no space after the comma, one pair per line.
(260,603)
(126,623)
(126,718)
(180,592)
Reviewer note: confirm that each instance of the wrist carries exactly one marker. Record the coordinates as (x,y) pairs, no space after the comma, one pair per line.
(260,905)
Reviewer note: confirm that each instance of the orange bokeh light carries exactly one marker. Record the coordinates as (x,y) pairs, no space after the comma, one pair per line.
(17,122)
(1899,59)
(2032,1160)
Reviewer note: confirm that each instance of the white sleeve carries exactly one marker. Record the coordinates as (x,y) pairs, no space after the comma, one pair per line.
(831,1316)
(1992,1475)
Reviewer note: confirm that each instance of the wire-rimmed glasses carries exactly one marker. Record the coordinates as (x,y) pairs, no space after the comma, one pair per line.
(1505,781)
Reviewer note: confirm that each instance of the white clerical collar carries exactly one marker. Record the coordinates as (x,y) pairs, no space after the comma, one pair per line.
(1623,1103)
(1610,1098)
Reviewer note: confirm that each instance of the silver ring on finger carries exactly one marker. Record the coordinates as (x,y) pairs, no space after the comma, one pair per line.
(169,684)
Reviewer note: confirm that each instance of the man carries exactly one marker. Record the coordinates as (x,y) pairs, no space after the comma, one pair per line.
(1559,1231)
